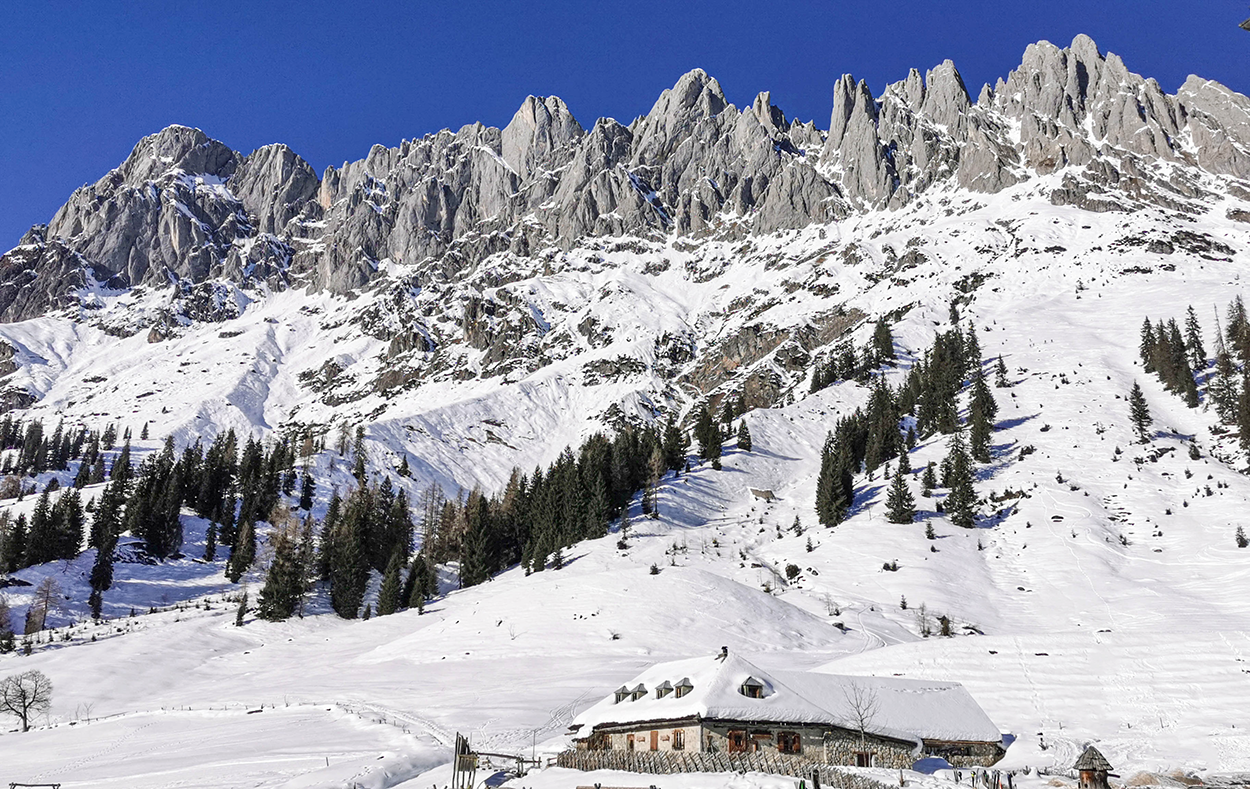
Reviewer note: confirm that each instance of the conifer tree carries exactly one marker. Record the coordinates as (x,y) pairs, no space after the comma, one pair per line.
(1146,347)
(284,582)
(981,418)
(961,501)
(1223,385)
(210,542)
(1000,374)
(707,434)
(899,504)
(744,436)
(41,541)
(359,456)
(121,469)
(1236,325)
(1193,340)
(389,594)
(243,553)
(1139,412)
(883,341)
(928,481)
(348,568)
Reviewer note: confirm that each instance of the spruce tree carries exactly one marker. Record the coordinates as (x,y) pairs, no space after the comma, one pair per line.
(883,341)
(900,506)
(389,594)
(1146,346)
(41,540)
(1193,340)
(744,436)
(1139,413)
(928,481)
(1000,374)
(981,418)
(243,552)
(960,503)
(284,580)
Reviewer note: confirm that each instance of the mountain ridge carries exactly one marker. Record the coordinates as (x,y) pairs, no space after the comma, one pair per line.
(186,208)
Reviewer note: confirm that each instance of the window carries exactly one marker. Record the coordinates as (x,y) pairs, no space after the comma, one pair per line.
(679,740)
(752,691)
(682,688)
(663,689)
(789,742)
(737,742)
(622,693)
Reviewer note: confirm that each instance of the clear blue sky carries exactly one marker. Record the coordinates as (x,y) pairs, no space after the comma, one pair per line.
(81,82)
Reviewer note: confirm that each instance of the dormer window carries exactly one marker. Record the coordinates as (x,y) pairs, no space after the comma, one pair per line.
(682,688)
(622,693)
(663,689)
(638,692)
(752,688)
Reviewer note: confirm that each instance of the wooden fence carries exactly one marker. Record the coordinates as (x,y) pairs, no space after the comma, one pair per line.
(667,763)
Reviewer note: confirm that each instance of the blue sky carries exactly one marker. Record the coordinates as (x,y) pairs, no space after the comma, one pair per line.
(81,82)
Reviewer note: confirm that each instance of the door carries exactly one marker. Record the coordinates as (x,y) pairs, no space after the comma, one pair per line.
(629,742)
(655,740)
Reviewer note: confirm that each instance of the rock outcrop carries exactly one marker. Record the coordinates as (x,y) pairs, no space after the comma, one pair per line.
(186,209)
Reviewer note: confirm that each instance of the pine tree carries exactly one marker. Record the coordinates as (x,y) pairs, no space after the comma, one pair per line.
(41,541)
(883,341)
(744,436)
(389,594)
(1193,340)
(1139,412)
(900,506)
(359,456)
(1146,346)
(243,553)
(1000,374)
(1236,325)
(1223,386)
(210,542)
(960,503)
(928,481)
(284,580)
(981,418)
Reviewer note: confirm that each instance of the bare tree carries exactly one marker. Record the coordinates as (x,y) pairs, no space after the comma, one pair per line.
(864,706)
(49,599)
(26,695)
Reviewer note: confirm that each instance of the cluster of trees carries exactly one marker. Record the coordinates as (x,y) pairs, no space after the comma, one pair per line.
(53,531)
(1173,357)
(846,365)
(37,451)
(1179,359)
(874,436)
(539,516)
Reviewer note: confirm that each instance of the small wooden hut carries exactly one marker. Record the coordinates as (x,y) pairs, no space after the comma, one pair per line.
(1093,767)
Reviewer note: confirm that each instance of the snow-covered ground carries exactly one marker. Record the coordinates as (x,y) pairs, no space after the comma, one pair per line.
(1064,632)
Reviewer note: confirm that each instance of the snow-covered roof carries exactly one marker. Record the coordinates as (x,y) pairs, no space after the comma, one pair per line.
(905,709)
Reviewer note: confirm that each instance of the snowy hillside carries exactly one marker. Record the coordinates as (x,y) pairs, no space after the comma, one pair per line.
(1099,598)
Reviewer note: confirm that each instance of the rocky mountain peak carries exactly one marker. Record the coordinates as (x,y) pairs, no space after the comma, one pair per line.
(542,129)
(183,207)
(177,148)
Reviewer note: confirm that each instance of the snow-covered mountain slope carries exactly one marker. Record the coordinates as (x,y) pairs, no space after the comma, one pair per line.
(1103,604)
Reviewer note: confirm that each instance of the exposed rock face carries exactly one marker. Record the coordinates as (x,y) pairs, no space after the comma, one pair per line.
(186,209)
